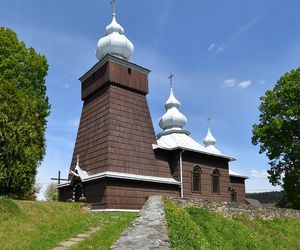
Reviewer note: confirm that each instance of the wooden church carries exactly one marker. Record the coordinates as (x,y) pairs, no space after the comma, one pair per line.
(118,161)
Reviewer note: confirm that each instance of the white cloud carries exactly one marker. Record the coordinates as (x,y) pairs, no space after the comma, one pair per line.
(262,81)
(246,27)
(211,47)
(234,84)
(230,83)
(259,173)
(220,49)
(245,84)
(215,48)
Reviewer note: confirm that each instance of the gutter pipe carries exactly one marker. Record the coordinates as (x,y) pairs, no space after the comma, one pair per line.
(181,175)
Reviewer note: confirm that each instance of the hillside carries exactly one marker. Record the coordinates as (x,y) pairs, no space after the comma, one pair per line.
(42,225)
(195,228)
(266,197)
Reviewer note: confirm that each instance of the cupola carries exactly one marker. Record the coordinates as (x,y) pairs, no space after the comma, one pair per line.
(209,140)
(114,42)
(173,119)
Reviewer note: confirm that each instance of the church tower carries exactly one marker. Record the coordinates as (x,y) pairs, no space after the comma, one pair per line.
(113,159)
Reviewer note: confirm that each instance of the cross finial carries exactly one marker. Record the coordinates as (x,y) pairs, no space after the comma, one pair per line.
(171,80)
(209,122)
(113,7)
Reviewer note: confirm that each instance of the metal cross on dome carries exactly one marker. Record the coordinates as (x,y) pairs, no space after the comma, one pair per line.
(113,6)
(171,80)
(209,122)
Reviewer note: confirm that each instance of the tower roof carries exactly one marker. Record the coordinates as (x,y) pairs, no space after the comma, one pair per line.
(209,140)
(175,137)
(173,119)
(114,42)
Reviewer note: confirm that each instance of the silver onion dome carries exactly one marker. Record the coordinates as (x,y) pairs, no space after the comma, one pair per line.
(114,42)
(173,118)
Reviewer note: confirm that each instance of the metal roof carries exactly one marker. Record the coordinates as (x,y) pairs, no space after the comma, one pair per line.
(183,141)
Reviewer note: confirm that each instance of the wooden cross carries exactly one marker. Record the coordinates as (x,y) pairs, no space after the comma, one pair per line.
(113,6)
(58,179)
(171,80)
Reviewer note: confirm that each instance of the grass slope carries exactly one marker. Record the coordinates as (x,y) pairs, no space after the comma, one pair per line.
(195,228)
(42,225)
(108,234)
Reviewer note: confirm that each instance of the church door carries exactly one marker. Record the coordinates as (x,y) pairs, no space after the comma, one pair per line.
(78,190)
(233,195)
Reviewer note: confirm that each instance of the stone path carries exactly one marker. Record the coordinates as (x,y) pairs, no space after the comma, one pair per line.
(148,231)
(76,240)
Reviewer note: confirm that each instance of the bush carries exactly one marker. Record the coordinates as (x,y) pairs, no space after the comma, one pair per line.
(51,192)
(82,199)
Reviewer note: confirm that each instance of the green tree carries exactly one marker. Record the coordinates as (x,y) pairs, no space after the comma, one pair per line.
(24,107)
(278,134)
(51,193)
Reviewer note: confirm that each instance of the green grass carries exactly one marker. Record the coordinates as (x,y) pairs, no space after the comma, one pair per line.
(42,225)
(8,208)
(195,228)
(183,231)
(107,234)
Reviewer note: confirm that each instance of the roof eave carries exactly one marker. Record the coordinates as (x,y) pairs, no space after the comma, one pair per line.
(65,184)
(240,176)
(230,158)
(117,60)
(126,176)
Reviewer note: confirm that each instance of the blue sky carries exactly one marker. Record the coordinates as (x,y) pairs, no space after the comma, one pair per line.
(224,55)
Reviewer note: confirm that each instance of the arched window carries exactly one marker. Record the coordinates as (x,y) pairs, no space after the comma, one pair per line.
(216,181)
(196,179)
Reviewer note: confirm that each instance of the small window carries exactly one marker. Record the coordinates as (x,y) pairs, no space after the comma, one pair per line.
(216,181)
(196,179)
(129,71)
(233,195)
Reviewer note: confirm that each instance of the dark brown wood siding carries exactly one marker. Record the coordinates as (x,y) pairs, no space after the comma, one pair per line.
(116,132)
(132,135)
(125,194)
(238,184)
(65,193)
(207,164)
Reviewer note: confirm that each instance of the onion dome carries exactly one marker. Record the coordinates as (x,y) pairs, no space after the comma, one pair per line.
(209,140)
(173,118)
(114,42)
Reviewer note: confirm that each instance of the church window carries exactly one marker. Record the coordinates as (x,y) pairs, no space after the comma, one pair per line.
(196,179)
(216,181)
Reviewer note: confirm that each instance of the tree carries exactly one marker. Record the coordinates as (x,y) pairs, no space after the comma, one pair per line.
(51,193)
(278,134)
(24,107)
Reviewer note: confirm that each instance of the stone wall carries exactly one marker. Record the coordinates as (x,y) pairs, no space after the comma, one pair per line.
(231,210)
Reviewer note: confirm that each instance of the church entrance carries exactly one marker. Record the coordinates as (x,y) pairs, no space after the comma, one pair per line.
(77,191)
(233,195)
